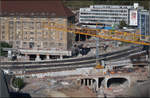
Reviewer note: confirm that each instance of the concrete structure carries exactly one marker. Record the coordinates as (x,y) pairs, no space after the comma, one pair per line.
(23,24)
(104,82)
(106,14)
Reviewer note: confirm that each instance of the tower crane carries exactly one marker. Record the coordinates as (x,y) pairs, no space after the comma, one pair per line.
(117,35)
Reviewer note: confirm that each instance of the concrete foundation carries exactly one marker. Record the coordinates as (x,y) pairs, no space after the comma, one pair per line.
(104,82)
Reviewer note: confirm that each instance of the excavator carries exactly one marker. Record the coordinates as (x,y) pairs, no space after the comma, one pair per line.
(117,35)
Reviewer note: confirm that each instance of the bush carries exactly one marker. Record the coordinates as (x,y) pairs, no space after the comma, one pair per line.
(18,83)
(122,24)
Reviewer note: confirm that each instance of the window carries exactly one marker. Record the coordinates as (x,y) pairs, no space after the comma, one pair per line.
(24,43)
(60,36)
(18,42)
(11,22)
(31,44)
(38,24)
(31,32)
(45,44)
(52,24)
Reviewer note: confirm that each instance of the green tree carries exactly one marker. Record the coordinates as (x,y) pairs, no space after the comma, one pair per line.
(122,24)
(18,83)
(4,45)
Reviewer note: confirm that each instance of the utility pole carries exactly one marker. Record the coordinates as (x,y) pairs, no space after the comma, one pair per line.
(149,46)
(98,63)
(97,51)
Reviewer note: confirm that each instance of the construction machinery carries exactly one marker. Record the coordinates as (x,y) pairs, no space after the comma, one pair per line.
(118,35)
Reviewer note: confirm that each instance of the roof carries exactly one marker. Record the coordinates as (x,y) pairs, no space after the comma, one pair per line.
(3,86)
(53,8)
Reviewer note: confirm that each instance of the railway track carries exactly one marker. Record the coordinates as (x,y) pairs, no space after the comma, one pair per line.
(65,60)
(79,62)
(52,67)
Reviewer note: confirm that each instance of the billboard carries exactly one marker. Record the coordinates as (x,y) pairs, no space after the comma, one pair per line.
(133,18)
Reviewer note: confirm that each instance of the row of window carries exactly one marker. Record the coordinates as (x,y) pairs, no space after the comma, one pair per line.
(109,10)
(88,20)
(45,44)
(113,14)
(103,17)
(18,35)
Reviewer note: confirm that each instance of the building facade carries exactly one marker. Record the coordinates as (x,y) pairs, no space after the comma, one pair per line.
(144,24)
(24,23)
(106,14)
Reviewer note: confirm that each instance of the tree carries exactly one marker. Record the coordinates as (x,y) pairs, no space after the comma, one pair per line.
(18,83)
(4,45)
(122,24)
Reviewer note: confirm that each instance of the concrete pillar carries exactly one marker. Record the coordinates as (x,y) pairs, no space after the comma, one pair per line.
(47,57)
(26,56)
(61,57)
(37,57)
(9,54)
(87,82)
(106,80)
(91,83)
(146,57)
(96,83)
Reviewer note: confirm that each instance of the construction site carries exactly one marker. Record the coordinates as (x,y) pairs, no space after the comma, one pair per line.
(86,62)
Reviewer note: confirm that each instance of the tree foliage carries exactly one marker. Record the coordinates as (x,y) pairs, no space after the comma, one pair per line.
(83,3)
(122,24)
(18,83)
(4,45)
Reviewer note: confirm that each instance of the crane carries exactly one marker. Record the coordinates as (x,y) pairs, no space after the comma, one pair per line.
(105,34)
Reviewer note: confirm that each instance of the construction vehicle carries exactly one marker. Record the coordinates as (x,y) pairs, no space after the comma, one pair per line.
(117,35)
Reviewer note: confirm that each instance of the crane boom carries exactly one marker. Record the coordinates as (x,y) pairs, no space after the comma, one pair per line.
(101,33)
(105,34)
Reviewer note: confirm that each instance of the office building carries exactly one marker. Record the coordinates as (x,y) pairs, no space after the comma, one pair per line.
(107,14)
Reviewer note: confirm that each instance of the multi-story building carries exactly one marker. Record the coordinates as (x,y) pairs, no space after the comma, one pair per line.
(144,23)
(106,14)
(23,23)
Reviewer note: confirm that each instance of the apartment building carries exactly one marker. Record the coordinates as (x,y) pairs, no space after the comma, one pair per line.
(106,14)
(23,23)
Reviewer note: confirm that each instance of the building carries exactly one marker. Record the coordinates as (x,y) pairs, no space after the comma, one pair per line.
(106,14)
(144,23)
(23,24)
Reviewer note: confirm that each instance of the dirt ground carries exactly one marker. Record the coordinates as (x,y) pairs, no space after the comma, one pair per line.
(45,88)
(78,92)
